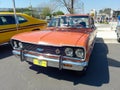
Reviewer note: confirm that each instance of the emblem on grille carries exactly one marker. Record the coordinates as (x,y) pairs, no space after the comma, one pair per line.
(57,51)
(39,49)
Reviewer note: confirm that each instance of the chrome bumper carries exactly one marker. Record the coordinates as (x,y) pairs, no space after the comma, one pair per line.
(52,62)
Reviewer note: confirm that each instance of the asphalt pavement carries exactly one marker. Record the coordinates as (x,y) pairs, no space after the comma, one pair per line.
(103,72)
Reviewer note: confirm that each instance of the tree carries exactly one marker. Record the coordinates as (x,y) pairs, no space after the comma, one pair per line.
(46,12)
(71,5)
(58,13)
(47,9)
(68,4)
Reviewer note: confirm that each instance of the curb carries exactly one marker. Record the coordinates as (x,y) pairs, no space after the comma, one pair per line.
(111,41)
(106,34)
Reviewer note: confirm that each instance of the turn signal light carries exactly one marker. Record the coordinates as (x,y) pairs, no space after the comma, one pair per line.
(67,65)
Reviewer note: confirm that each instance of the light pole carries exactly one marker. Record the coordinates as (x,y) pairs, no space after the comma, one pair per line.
(30,7)
(72,6)
(14,9)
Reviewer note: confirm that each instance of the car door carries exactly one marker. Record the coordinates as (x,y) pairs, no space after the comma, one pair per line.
(27,23)
(7,27)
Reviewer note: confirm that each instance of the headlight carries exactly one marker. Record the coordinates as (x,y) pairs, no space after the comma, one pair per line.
(79,53)
(69,52)
(15,44)
(20,44)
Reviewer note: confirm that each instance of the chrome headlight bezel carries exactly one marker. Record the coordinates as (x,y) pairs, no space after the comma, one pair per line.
(69,51)
(79,53)
(20,44)
(16,44)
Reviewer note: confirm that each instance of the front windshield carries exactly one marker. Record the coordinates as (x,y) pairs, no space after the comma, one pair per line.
(70,21)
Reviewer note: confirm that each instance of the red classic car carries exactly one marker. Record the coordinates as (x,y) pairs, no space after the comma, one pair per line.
(66,44)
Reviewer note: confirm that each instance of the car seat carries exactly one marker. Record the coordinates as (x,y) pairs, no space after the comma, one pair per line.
(83,24)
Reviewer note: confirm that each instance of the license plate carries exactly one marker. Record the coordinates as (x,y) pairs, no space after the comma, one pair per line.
(42,63)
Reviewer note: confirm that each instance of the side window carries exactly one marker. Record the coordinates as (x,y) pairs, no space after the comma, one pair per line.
(21,19)
(6,20)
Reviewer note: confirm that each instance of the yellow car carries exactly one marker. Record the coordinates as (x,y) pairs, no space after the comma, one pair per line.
(8,26)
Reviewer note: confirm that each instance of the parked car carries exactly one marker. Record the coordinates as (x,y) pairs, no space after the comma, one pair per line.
(118,29)
(8,26)
(67,43)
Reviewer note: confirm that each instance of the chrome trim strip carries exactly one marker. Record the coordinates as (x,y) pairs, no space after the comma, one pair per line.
(50,55)
(22,28)
(72,58)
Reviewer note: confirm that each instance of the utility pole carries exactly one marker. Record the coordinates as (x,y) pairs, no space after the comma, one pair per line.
(31,11)
(14,9)
(72,6)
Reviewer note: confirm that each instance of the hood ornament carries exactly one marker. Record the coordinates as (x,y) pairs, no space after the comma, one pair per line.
(40,49)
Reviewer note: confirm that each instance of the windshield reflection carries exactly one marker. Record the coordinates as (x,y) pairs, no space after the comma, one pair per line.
(70,21)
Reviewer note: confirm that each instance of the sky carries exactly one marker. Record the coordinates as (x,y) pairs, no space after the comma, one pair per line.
(88,4)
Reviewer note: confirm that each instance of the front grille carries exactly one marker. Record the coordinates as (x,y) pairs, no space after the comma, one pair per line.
(42,48)
(46,49)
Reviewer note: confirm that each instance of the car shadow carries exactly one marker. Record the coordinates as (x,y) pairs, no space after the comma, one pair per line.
(97,73)
(113,63)
(5,51)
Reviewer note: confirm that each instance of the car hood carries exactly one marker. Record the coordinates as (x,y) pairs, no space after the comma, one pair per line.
(58,38)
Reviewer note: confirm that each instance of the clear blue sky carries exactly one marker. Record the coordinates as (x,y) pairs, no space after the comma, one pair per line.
(88,4)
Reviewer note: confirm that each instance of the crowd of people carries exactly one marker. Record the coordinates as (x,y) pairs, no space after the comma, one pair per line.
(105,20)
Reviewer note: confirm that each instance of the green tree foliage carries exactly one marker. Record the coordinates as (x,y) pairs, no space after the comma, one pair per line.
(68,4)
(58,13)
(72,6)
(46,12)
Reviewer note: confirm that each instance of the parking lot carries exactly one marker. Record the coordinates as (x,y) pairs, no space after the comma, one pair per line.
(103,72)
